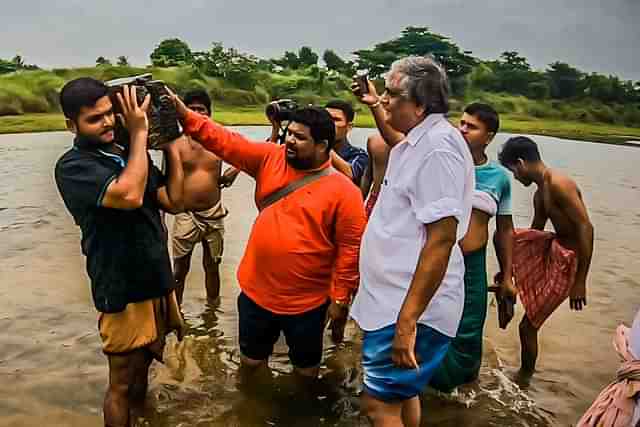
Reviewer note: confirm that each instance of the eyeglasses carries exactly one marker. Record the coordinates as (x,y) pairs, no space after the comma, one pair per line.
(394,93)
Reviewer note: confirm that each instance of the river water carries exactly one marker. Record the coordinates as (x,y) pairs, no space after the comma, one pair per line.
(53,373)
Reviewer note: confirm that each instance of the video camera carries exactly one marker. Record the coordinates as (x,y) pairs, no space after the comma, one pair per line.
(280,111)
(163,118)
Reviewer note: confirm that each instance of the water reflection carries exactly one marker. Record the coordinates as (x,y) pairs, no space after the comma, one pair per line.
(50,352)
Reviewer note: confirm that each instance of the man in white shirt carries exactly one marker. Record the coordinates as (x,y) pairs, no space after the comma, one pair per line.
(411,293)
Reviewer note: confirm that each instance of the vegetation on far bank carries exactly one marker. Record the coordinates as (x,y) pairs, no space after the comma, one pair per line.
(237,116)
(560,100)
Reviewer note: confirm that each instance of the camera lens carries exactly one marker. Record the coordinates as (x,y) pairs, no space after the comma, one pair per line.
(272,110)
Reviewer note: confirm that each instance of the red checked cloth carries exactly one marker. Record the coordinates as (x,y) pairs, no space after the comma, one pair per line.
(544,272)
(371,202)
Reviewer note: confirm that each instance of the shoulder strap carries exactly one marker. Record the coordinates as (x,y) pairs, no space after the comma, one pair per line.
(293,186)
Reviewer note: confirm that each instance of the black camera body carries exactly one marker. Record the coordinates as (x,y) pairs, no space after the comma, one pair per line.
(163,118)
(362,77)
(281,110)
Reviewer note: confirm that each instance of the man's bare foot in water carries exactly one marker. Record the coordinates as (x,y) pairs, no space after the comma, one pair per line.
(523,378)
(520,377)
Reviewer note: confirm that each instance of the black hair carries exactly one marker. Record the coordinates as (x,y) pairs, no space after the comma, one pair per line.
(198,96)
(486,114)
(78,93)
(344,106)
(518,147)
(319,122)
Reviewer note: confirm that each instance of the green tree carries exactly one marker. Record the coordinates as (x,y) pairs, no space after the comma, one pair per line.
(513,74)
(123,61)
(171,53)
(565,80)
(289,60)
(307,57)
(417,41)
(599,87)
(513,61)
(337,64)
(237,68)
(101,61)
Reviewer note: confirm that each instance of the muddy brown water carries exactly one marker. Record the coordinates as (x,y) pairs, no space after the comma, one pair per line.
(53,373)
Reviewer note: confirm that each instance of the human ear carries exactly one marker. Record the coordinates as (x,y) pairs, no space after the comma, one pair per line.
(322,146)
(71,126)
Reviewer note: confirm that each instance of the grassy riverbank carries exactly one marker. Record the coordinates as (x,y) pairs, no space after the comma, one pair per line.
(29,101)
(510,123)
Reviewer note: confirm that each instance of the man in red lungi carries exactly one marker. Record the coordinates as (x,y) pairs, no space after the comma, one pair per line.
(548,267)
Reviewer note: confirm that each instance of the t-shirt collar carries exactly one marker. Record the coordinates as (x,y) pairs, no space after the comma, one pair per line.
(84,143)
(87,145)
(345,149)
(415,134)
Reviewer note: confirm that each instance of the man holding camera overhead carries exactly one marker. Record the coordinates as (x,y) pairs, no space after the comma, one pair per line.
(300,265)
(114,194)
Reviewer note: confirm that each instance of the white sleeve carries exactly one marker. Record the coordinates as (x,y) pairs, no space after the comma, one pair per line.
(438,190)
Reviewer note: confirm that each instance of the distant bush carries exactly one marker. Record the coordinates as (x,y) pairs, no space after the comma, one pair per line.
(37,91)
(232,96)
(604,114)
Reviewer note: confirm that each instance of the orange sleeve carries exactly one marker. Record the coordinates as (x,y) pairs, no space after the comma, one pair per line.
(230,146)
(350,224)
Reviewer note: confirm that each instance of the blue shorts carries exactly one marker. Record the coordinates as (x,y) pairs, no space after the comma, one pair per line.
(387,382)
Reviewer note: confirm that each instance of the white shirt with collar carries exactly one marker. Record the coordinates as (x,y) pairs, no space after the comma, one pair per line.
(430,176)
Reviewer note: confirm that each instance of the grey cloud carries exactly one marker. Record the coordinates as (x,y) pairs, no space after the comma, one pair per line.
(591,34)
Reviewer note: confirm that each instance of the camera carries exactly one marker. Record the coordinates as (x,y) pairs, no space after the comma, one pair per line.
(163,118)
(281,110)
(362,78)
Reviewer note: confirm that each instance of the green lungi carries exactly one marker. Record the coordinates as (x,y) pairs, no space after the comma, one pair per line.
(461,365)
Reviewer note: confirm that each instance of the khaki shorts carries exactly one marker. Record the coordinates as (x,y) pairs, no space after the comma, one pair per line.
(141,324)
(191,228)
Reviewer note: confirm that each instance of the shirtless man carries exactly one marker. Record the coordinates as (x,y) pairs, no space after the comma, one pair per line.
(557,199)
(203,221)
(378,152)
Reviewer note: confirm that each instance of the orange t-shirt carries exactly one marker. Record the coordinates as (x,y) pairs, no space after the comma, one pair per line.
(302,249)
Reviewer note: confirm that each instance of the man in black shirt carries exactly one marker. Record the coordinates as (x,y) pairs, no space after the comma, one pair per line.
(114,194)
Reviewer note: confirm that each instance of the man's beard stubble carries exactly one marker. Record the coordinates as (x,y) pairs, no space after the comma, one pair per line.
(300,164)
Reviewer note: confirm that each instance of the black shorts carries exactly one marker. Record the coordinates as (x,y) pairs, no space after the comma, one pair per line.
(260,329)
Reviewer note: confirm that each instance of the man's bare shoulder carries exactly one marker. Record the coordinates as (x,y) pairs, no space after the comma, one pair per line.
(561,185)
(376,145)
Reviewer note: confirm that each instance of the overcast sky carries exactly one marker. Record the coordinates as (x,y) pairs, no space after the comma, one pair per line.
(594,35)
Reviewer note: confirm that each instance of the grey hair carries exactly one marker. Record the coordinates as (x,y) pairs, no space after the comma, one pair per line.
(424,81)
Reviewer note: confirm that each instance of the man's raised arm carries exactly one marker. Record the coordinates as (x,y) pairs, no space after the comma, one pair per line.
(230,146)
(126,191)
(372,100)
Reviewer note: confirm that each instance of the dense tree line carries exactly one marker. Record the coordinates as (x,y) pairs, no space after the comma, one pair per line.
(511,73)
